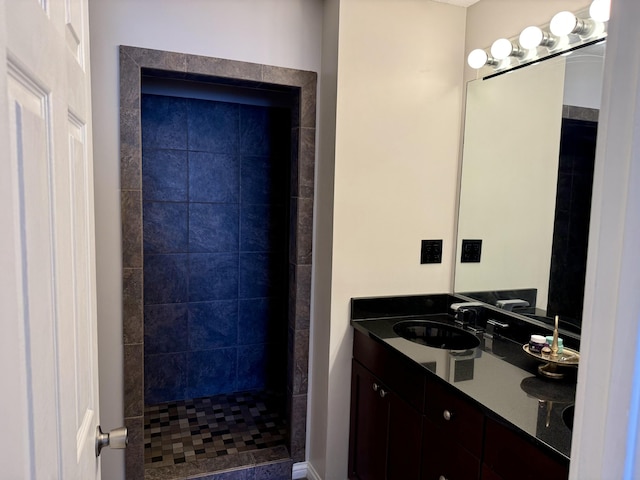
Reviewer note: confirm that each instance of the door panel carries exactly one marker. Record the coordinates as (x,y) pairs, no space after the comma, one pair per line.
(47,246)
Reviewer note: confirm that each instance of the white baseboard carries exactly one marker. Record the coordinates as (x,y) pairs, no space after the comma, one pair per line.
(304,470)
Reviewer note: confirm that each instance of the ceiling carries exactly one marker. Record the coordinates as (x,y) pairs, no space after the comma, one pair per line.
(461,3)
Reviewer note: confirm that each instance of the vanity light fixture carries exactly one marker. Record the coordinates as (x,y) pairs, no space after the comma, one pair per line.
(503,48)
(533,37)
(600,10)
(478,58)
(565,32)
(566,23)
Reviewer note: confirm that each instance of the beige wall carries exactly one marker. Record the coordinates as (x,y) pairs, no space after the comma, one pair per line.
(397,132)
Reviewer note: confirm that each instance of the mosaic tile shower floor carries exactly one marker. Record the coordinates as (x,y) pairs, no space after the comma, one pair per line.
(210,427)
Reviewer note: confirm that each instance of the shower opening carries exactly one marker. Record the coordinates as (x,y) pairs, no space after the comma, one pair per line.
(215,189)
(217,263)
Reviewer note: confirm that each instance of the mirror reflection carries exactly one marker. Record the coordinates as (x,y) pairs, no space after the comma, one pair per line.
(527,174)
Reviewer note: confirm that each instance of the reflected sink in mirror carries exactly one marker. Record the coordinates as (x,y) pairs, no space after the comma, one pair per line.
(436,334)
(567,416)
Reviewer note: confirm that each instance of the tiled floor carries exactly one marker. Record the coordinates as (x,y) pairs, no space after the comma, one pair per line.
(210,427)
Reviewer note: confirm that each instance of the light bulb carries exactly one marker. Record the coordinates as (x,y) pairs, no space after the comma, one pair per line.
(563,23)
(478,58)
(503,48)
(531,37)
(600,10)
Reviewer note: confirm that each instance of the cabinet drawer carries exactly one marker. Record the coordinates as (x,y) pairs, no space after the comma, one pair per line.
(398,373)
(456,417)
(508,455)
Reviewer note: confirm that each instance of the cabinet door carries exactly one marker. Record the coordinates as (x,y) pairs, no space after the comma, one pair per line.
(404,440)
(444,458)
(369,420)
(385,438)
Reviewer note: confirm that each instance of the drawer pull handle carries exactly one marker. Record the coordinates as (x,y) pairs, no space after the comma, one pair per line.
(375,387)
(383,393)
(447,416)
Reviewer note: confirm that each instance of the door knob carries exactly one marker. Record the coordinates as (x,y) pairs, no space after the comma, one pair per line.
(116,438)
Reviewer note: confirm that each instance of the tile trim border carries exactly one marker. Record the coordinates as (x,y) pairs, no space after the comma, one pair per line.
(133,61)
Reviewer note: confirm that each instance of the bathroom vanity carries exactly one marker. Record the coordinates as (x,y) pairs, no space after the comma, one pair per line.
(423,412)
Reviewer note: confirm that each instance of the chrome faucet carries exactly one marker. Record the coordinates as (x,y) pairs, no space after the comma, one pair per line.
(510,304)
(466,314)
(492,333)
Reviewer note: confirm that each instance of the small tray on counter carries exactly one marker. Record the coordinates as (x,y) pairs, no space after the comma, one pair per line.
(568,358)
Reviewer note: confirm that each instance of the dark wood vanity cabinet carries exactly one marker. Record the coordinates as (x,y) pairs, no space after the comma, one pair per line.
(405,426)
(386,430)
(452,436)
(509,456)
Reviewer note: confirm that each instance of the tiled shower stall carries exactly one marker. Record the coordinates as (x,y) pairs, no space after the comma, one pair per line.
(217,202)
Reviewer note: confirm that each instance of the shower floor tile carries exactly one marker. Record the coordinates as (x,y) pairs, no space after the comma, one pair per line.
(210,427)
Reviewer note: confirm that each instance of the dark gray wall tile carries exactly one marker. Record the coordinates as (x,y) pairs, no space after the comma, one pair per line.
(132,326)
(165,227)
(300,362)
(213,276)
(130,158)
(221,67)
(299,296)
(306,163)
(129,81)
(134,462)
(214,178)
(305,80)
(157,59)
(133,380)
(298,427)
(213,227)
(164,175)
(213,324)
(301,231)
(165,328)
(165,279)
(131,217)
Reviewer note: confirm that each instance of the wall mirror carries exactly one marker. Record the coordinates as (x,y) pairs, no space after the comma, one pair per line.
(525,195)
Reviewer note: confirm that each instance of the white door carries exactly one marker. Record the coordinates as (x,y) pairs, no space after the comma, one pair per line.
(48,355)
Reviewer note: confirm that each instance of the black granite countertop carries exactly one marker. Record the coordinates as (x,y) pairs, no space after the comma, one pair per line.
(498,375)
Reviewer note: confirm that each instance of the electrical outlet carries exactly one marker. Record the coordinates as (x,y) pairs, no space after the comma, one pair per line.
(471,250)
(431,251)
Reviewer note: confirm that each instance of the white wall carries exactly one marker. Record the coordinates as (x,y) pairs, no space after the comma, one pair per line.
(285,33)
(400,66)
(317,420)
